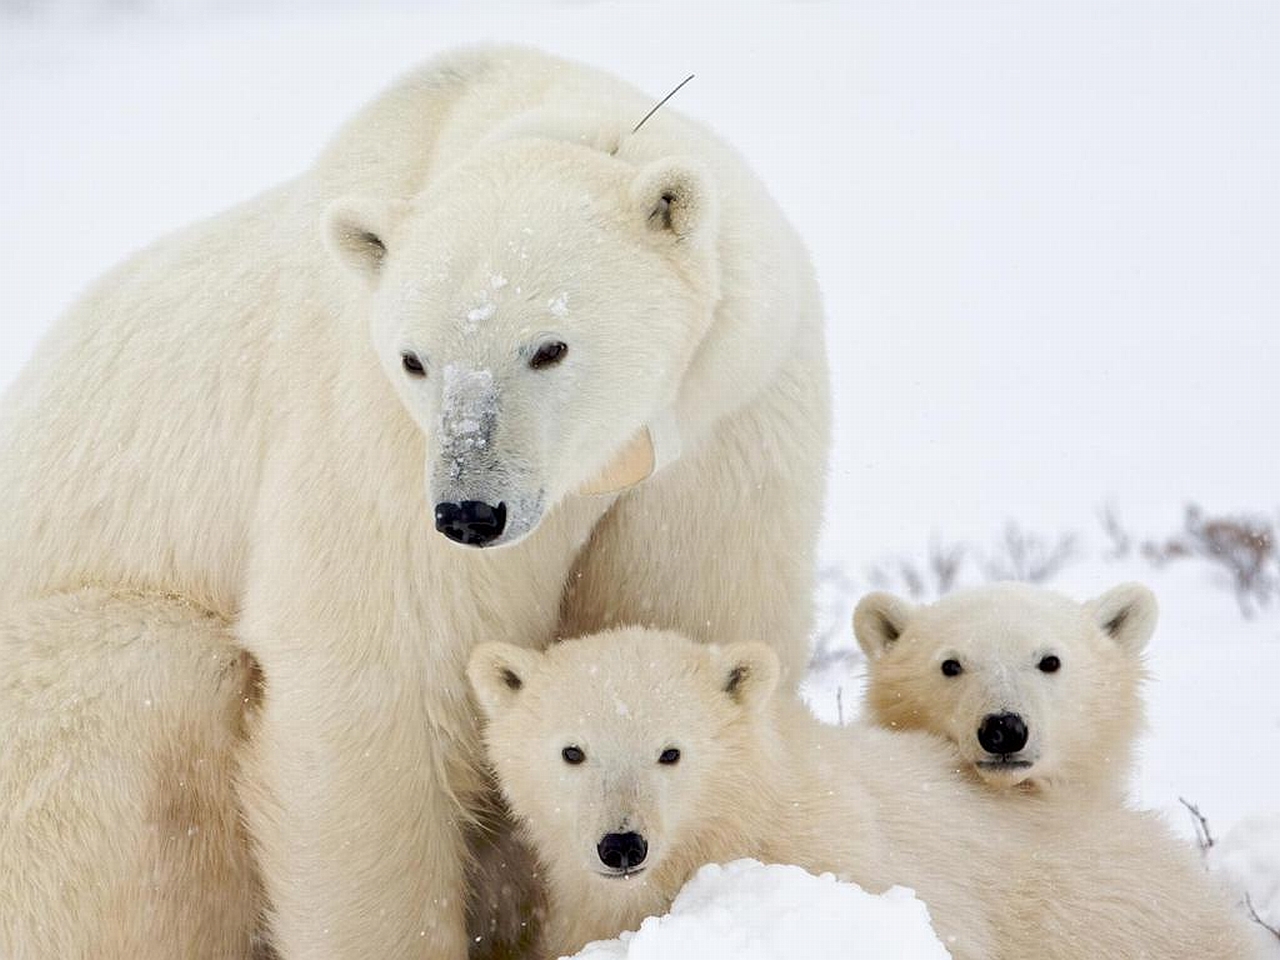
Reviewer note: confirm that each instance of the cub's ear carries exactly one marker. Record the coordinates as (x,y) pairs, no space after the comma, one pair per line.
(498,672)
(746,672)
(1127,614)
(674,197)
(879,621)
(357,231)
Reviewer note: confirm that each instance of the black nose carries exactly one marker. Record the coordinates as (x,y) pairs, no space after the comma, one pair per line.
(1002,733)
(622,851)
(472,522)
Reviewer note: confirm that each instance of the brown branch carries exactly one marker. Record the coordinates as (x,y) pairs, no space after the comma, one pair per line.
(1253,912)
(1203,837)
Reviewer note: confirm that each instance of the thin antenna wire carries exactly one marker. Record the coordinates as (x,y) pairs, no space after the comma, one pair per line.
(658,105)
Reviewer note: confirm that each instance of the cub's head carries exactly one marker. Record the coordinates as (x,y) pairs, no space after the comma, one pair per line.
(535,308)
(615,750)
(1032,687)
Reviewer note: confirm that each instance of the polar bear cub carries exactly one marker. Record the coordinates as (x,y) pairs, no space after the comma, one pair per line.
(1034,689)
(633,757)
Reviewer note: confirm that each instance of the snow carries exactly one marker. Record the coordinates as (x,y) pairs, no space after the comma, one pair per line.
(467,405)
(1248,858)
(747,910)
(1044,233)
(559,306)
(483,312)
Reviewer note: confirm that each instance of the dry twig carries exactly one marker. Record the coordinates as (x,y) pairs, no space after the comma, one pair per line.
(1253,912)
(1204,839)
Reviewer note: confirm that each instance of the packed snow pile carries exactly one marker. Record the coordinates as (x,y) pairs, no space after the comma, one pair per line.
(747,910)
(1248,859)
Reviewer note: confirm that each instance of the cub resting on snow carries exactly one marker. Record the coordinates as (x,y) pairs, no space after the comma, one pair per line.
(632,757)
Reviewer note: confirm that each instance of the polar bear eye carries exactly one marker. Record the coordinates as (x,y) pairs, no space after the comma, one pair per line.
(951,668)
(412,365)
(549,354)
(1049,664)
(669,756)
(573,755)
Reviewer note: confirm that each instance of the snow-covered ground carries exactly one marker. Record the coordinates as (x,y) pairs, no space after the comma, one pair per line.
(752,911)
(1046,236)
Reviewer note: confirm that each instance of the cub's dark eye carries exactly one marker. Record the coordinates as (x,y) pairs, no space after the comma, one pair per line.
(573,755)
(951,668)
(669,756)
(549,354)
(412,365)
(1049,664)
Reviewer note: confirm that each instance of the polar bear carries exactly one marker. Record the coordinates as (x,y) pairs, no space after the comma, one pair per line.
(633,757)
(1036,690)
(102,762)
(488,308)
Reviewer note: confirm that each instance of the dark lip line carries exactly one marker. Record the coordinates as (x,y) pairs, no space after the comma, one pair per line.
(620,874)
(1005,764)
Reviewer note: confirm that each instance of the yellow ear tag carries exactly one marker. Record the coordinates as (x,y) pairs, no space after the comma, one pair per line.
(633,464)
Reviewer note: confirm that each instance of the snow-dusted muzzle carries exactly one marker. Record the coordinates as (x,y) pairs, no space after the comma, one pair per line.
(483,489)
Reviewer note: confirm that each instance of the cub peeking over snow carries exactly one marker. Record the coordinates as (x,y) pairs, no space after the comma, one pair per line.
(1034,689)
(633,757)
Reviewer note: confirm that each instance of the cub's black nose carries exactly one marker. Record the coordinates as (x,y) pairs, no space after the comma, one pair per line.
(1002,733)
(622,851)
(472,522)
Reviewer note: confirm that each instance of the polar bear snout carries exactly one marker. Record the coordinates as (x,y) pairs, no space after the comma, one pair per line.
(622,852)
(1002,734)
(471,522)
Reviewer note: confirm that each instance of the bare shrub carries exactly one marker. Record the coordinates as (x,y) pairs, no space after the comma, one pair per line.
(1119,538)
(912,579)
(945,562)
(1205,841)
(1242,546)
(1028,557)
(1204,838)
(833,634)
(1253,913)
(923,580)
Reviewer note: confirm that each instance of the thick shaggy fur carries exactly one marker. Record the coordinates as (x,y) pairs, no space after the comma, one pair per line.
(227,418)
(758,777)
(119,833)
(1082,718)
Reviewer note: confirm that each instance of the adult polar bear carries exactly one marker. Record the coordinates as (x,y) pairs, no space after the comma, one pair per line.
(211,421)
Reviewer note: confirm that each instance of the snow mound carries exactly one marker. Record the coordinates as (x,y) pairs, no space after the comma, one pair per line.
(1248,859)
(747,910)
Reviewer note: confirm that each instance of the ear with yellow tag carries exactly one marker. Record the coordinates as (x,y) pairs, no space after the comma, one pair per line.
(635,463)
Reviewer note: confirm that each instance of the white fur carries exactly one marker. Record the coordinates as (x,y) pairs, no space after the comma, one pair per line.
(225,417)
(759,777)
(119,833)
(1082,720)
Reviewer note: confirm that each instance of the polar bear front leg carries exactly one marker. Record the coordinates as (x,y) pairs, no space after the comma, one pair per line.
(357,835)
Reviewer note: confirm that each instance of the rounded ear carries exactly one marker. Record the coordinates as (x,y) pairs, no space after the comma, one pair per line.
(747,672)
(879,620)
(675,198)
(356,232)
(498,672)
(1127,614)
